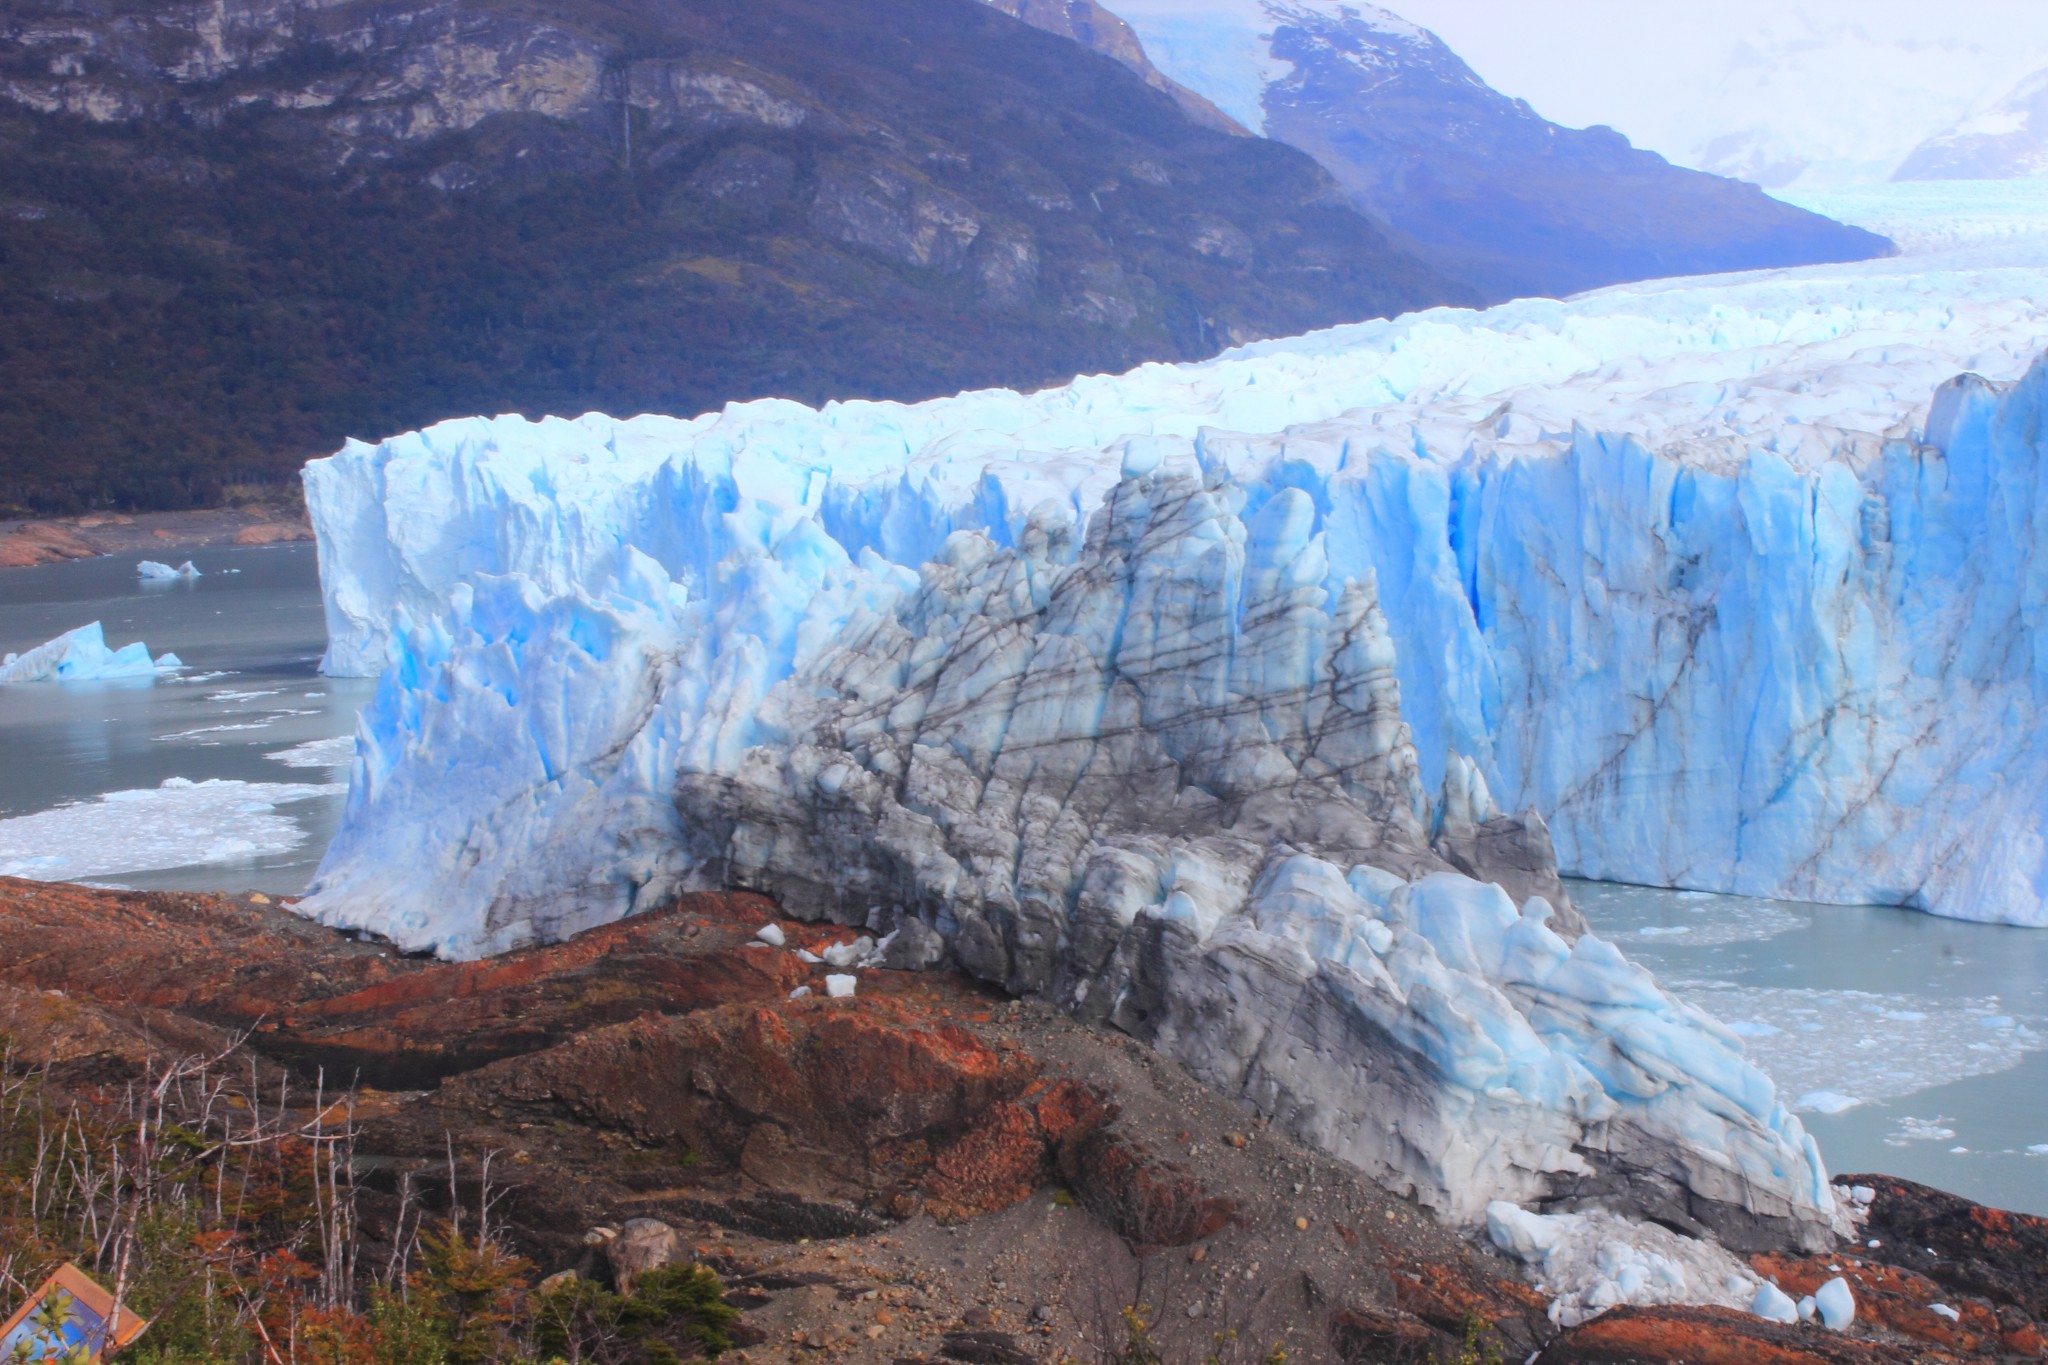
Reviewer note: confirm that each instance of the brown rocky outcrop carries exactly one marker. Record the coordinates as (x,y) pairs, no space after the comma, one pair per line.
(1964,1247)
(1713,1336)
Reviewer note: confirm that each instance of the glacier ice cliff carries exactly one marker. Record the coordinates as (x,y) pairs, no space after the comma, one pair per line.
(1705,573)
(1252,706)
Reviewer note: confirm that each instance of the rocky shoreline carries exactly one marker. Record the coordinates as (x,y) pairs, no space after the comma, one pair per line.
(53,540)
(926,1170)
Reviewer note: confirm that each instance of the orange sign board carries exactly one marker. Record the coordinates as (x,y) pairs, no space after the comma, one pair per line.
(70,1320)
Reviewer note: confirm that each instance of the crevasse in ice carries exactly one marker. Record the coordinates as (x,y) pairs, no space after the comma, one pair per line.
(1137,693)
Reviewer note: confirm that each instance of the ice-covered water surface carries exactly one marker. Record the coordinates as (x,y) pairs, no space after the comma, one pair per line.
(83,764)
(1900,1037)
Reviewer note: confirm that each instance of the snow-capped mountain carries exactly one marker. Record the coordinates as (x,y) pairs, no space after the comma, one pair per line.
(1476,182)
(2005,142)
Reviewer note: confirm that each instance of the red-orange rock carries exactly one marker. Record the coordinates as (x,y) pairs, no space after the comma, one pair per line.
(1712,1336)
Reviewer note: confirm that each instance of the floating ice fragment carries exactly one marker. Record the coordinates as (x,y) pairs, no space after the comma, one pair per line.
(152,572)
(2038,1149)
(1826,1102)
(179,824)
(337,752)
(82,655)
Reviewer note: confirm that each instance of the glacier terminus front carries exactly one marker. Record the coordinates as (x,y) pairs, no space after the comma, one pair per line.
(1253,706)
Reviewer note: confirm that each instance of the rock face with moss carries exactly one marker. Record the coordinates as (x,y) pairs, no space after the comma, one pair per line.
(237,234)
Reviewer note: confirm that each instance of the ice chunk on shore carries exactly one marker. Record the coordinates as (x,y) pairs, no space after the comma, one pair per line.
(1591,1262)
(1775,1305)
(149,571)
(1836,1304)
(82,655)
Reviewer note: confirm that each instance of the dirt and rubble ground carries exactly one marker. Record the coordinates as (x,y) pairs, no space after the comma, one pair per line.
(26,542)
(924,1172)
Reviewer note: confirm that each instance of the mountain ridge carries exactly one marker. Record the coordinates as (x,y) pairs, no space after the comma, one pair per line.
(1477,183)
(235,235)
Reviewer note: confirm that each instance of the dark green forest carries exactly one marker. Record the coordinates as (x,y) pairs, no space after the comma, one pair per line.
(190,303)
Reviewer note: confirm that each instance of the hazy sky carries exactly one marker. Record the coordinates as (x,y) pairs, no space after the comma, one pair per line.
(1835,90)
(1856,76)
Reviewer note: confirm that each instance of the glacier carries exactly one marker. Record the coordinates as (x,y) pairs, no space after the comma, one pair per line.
(82,655)
(1252,706)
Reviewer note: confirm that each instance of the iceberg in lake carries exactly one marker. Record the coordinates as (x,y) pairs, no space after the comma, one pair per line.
(82,655)
(149,571)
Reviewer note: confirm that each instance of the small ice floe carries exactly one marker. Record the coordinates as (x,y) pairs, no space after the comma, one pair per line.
(839,986)
(149,571)
(1913,1129)
(2038,1149)
(1826,1102)
(338,752)
(82,655)
(772,935)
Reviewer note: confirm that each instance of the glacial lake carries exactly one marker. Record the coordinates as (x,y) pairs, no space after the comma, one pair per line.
(1910,1044)
(252,741)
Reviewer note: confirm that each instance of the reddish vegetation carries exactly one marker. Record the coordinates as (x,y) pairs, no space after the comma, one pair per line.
(1964,1247)
(657,1067)
(1901,1301)
(1709,1336)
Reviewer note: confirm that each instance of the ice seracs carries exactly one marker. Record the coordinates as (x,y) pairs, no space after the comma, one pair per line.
(82,655)
(1252,706)
(1705,574)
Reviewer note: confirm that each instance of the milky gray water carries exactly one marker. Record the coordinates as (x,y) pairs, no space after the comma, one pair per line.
(1908,1044)
(250,739)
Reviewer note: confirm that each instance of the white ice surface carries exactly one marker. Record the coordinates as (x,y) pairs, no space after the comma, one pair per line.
(1827,1046)
(150,571)
(1590,1262)
(82,655)
(1663,551)
(178,824)
(337,752)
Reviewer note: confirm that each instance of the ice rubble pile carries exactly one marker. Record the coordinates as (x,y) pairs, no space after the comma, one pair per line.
(1590,1262)
(82,655)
